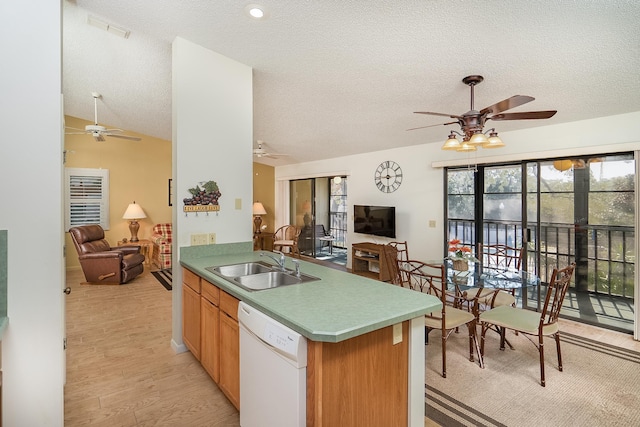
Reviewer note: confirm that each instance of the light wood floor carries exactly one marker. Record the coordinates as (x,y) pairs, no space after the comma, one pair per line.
(121,370)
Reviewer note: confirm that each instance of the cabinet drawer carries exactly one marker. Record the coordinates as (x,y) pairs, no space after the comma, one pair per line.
(211,292)
(229,304)
(191,279)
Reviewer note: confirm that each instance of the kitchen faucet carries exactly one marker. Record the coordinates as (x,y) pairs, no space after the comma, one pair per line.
(297,264)
(280,261)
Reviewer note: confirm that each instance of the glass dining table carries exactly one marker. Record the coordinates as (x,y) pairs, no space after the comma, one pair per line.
(516,282)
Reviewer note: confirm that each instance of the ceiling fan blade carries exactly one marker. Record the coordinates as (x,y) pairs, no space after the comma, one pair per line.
(507,104)
(453,116)
(130,138)
(430,126)
(524,116)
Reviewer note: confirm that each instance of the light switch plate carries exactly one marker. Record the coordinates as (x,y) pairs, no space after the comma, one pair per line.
(238,204)
(432,223)
(397,333)
(198,239)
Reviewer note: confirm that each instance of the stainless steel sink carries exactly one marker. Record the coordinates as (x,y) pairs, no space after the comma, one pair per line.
(256,276)
(273,279)
(243,269)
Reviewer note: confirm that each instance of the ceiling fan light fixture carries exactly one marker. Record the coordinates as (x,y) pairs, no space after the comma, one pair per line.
(478,138)
(466,146)
(472,122)
(494,140)
(451,143)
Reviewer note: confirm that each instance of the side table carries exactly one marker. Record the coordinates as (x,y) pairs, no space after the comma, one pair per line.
(263,241)
(146,248)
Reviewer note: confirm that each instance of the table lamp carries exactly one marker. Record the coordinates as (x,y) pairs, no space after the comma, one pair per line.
(134,213)
(258,209)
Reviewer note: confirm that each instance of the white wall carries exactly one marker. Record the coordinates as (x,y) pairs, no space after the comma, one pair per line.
(212,140)
(420,197)
(31,194)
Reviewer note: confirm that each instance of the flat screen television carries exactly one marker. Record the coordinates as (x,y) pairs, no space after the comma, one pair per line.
(375,220)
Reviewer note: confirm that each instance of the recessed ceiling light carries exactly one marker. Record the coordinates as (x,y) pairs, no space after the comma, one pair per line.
(255,11)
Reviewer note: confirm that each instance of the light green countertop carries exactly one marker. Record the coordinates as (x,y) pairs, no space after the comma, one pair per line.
(338,307)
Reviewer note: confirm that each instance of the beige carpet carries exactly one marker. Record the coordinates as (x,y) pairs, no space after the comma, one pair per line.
(600,384)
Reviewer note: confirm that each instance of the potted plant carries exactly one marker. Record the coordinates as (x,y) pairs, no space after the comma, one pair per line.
(460,255)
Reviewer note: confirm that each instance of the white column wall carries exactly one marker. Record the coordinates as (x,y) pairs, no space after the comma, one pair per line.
(31,197)
(212,141)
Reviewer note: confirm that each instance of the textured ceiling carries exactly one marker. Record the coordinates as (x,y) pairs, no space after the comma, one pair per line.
(337,77)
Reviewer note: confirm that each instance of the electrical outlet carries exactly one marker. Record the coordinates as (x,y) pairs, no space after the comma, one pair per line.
(198,239)
(212,238)
(397,333)
(432,223)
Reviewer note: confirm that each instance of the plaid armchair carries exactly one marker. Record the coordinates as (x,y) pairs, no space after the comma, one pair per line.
(162,238)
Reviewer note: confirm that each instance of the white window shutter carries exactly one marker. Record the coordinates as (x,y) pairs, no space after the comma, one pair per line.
(86,197)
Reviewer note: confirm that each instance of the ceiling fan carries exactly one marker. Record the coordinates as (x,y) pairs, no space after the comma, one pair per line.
(99,132)
(261,152)
(472,122)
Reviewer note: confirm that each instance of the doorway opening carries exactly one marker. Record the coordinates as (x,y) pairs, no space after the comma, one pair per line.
(319,208)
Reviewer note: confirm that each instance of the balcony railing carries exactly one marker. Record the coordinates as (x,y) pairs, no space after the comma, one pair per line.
(607,252)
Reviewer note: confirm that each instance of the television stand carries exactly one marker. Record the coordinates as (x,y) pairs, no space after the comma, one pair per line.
(368,260)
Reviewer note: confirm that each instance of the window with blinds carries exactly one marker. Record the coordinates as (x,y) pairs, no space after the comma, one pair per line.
(87,197)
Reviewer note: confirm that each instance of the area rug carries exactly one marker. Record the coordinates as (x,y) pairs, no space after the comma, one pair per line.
(599,385)
(164,277)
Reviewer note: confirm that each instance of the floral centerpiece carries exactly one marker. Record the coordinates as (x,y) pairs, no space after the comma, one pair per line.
(460,255)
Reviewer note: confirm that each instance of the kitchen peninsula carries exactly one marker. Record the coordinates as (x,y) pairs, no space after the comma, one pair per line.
(365,337)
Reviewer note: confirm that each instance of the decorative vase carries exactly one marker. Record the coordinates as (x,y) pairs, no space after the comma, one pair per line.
(460,264)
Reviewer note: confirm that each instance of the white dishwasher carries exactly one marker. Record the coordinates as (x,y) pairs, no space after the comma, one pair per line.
(273,382)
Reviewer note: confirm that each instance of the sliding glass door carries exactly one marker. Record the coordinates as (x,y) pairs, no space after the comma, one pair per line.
(560,211)
(319,208)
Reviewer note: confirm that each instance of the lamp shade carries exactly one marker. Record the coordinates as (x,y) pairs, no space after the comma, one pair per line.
(134,211)
(466,146)
(493,142)
(562,165)
(451,143)
(478,138)
(258,209)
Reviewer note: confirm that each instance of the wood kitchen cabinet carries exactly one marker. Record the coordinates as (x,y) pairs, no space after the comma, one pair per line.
(351,383)
(210,329)
(229,348)
(191,311)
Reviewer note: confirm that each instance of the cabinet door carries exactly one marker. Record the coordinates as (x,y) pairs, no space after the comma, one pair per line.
(230,359)
(210,342)
(191,320)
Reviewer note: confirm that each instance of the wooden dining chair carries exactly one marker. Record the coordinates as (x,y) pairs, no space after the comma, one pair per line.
(390,254)
(287,237)
(531,323)
(431,279)
(403,255)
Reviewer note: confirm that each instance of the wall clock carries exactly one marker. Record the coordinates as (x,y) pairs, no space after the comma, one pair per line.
(388,176)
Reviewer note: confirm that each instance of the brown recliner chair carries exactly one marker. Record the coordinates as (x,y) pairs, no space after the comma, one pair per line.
(100,262)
